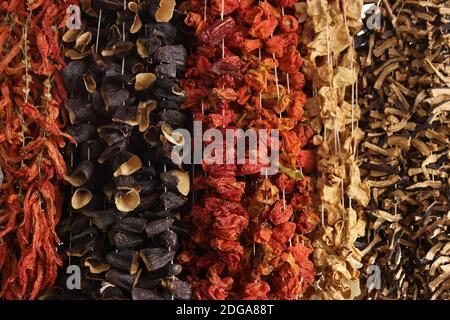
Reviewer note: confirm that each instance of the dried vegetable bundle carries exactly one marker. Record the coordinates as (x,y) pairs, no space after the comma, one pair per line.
(332,66)
(125,106)
(405,80)
(247,233)
(31,165)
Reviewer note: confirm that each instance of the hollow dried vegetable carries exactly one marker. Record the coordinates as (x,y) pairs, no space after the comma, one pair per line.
(248,232)
(31,135)
(331,64)
(127,192)
(405,87)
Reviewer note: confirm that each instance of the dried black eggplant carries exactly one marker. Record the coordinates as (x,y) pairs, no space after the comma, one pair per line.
(95,262)
(156,227)
(122,280)
(125,102)
(167,239)
(171,54)
(131,225)
(79,111)
(124,260)
(171,200)
(90,150)
(82,173)
(166,70)
(144,294)
(179,289)
(82,132)
(127,240)
(156,258)
(104,218)
(113,150)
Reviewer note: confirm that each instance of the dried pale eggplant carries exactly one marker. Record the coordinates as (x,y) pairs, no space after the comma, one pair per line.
(127,200)
(82,173)
(176,180)
(81,198)
(95,263)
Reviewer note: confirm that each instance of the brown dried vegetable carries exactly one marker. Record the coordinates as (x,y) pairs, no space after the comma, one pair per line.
(405,78)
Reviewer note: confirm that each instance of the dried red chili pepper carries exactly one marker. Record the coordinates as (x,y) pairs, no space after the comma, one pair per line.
(29,152)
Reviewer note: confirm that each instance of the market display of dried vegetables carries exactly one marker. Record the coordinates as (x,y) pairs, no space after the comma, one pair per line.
(124,106)
(405,87)
(323,171)
(248,234)
(32,95)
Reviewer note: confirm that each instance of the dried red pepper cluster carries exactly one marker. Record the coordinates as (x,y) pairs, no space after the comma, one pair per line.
(247,238)
(30,137)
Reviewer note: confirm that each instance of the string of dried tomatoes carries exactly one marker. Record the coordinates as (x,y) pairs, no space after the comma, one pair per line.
(247,236)
(30,137)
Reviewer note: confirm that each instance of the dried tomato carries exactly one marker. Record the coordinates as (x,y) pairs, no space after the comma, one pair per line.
(280,213)
(288,23)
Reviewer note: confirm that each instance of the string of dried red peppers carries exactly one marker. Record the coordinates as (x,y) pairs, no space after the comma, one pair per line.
(30,138)
(248,234)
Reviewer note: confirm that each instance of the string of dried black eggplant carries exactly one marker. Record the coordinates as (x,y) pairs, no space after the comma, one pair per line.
(126,77)
(405,158)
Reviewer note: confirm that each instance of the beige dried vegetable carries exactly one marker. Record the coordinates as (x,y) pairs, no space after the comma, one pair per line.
(332,66)
(405,156)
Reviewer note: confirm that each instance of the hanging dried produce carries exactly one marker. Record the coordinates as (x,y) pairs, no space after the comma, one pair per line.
(31,134)
(332,66)
(123,75)
(247,234)
(405,80)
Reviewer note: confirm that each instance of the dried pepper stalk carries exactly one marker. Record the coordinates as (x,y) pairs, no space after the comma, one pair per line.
(30,138)
(331,63)
(405,87)
(247,235)
(123,73)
